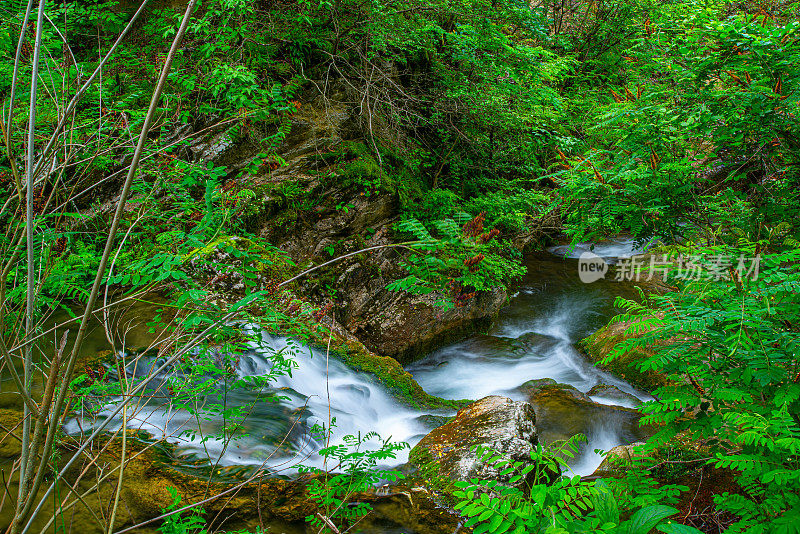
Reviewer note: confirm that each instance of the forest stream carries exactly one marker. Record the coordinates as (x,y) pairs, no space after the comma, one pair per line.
(534,338)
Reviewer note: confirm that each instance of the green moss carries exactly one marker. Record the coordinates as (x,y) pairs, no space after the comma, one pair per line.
(277,203)
(678,460)
(286,218)
(357,167)
(391,374)
(385,369)
(362,171)
(599,345)
(268,260)
(410,187)
(426,470)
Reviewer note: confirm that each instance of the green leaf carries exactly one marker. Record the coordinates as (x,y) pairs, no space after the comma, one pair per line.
(677,528)
(605,505)
(645,520)
(248,299)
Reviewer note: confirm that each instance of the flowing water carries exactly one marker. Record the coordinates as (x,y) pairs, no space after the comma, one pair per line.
(534,338)
(277,431)
(611,250)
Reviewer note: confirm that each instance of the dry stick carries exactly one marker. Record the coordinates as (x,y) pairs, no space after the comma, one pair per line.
(10,432)
(14,171)
(122,459)
(106,322)
(232,489)
(63,38)
(26,397)
(79,497)
(109,242)
(17,63)
(330,418)
(325,519)
(334,260)
(30,282)
(46,401)
(70,321)
(169,361)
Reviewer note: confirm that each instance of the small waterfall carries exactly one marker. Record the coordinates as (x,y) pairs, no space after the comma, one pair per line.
(612,249)
(534,339)
(277,434)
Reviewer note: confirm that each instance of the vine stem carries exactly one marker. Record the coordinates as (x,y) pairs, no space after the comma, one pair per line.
(339,258)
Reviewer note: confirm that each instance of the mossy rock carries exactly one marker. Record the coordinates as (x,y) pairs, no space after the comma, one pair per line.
(149,475)
(563,411)
(406,509)
(619,460)
(391,374)
(9,444)
(614,393)
(532,388)
(357,167)
(422,467)
(271,261)
(448,453)
(600,344)
(344,151)
(388,371)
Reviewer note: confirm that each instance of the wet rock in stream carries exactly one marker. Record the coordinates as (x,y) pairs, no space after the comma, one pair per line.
(614,395)
(563,411)
(600,344)
(447,454)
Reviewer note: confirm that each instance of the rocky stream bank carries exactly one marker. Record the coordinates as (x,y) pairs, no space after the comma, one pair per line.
(444,381)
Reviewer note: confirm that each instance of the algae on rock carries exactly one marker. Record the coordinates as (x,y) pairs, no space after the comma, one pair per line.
(600,344)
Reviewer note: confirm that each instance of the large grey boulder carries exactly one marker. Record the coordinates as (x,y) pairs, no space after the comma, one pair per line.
(447,454)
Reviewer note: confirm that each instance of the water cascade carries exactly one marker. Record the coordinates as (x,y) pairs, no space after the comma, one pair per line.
(533,338)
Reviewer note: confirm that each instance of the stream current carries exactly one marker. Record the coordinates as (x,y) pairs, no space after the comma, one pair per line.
(534,337)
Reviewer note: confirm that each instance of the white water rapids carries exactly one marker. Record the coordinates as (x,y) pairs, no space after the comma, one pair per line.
(533,338)
(318,391)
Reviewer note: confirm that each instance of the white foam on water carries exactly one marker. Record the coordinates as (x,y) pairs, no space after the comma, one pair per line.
(611,401)
(319,390)
(535,341)
(601,436)
(528,348)
(611,249)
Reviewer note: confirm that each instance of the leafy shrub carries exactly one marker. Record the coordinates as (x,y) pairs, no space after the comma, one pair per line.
(550,503)
(728,345)
(355,462)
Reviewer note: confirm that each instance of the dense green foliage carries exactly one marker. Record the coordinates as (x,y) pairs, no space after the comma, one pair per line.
(730,352)
(701,134)
(484,123)
(536,499)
